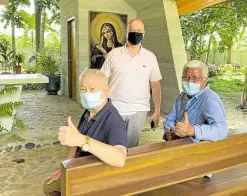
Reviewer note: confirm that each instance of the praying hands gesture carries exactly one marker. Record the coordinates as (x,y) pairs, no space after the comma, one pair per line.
(184,129)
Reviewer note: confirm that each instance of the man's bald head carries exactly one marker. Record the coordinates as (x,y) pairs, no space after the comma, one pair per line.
(93,80)
(136,25)
(94,75)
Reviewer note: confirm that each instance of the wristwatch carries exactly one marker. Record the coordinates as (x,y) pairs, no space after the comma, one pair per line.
(86,145)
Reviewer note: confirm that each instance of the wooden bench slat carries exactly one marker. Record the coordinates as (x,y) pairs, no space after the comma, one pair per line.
(157,169)
(79,162)
(144,185)
(223,183)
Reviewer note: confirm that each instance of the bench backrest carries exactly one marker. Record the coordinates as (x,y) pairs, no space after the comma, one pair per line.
(153,166)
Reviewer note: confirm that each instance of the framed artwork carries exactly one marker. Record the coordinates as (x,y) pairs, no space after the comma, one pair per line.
(106,31)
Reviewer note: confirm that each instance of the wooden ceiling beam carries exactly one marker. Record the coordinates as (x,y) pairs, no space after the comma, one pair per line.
(4,2)
(188,6)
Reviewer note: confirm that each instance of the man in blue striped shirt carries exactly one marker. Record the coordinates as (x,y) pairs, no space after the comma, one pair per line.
(198,111)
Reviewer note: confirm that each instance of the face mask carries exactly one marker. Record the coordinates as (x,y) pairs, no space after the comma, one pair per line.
(191,88)
(91,100)
(135,38)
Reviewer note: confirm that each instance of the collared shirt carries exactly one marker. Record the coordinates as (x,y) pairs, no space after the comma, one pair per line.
(206,113)
(107,126)
(130,78)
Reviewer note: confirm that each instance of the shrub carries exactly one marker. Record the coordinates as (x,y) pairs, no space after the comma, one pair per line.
(222,85)
(48,65)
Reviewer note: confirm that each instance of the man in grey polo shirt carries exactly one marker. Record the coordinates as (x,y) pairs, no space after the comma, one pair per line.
(131,70)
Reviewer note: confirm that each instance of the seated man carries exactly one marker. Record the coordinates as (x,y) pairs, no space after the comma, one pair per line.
(198,111)
(101,130)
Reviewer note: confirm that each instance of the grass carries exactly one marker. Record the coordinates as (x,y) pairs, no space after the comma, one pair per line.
(226,85)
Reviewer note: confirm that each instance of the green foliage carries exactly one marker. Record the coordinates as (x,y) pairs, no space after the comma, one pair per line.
(219,84)
(5,40)
(54,7)
(226,20)
(52,41)
(48,65)
(20,58)
(230,70)
(16,137)
(30,68)
(12,12)
(6,55)
(2,129)
(20,125)
(28,19)
(8,90)
(24,41)
(7,109)
(47,61)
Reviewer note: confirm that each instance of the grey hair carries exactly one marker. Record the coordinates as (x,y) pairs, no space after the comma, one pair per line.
(93,72)
(197,64)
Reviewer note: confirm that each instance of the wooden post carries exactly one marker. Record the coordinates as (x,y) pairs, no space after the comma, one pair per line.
(244,95)
(64,181)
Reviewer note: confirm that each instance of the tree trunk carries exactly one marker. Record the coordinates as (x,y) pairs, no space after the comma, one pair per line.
(37,24)
(13,35)
(208,51)
(187,50)
(193,48)
(214,55)
(229,54)
(244,95)
(32,40)
(42,30)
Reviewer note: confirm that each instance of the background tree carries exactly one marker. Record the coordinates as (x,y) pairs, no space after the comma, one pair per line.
(41,6)
(224,20)
(11,16)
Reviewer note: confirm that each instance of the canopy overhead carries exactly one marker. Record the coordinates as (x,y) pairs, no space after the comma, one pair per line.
(188,6)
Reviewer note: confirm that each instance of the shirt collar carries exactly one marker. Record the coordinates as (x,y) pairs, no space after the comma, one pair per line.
(103,111)
(126,51)
(202,91)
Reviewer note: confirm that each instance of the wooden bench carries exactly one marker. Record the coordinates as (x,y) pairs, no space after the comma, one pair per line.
(168,168)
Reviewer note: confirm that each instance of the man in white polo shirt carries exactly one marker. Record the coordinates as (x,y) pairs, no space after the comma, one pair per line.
(131,70)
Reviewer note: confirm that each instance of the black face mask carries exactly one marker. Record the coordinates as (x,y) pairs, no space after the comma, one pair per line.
(135,38)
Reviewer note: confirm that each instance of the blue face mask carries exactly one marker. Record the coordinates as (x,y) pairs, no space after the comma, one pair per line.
(91,100)
(191,89)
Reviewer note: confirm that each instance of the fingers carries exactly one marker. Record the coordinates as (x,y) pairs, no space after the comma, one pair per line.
(70,124)
(186,118)
(50,181)
(155,120)
(62,134)
(47,179)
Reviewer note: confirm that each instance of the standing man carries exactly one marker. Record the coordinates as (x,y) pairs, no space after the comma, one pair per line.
(132,69)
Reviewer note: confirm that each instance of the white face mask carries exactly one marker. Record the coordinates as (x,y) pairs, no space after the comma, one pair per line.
(191,89)
(91,100)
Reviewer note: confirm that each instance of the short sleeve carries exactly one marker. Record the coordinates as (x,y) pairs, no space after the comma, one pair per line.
(118,136)
(106,68)
(155,74)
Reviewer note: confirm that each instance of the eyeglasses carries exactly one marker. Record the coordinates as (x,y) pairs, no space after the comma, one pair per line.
(193,78)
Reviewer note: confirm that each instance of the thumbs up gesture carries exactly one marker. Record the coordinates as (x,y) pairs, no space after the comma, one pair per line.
(69,135)
(184,129)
